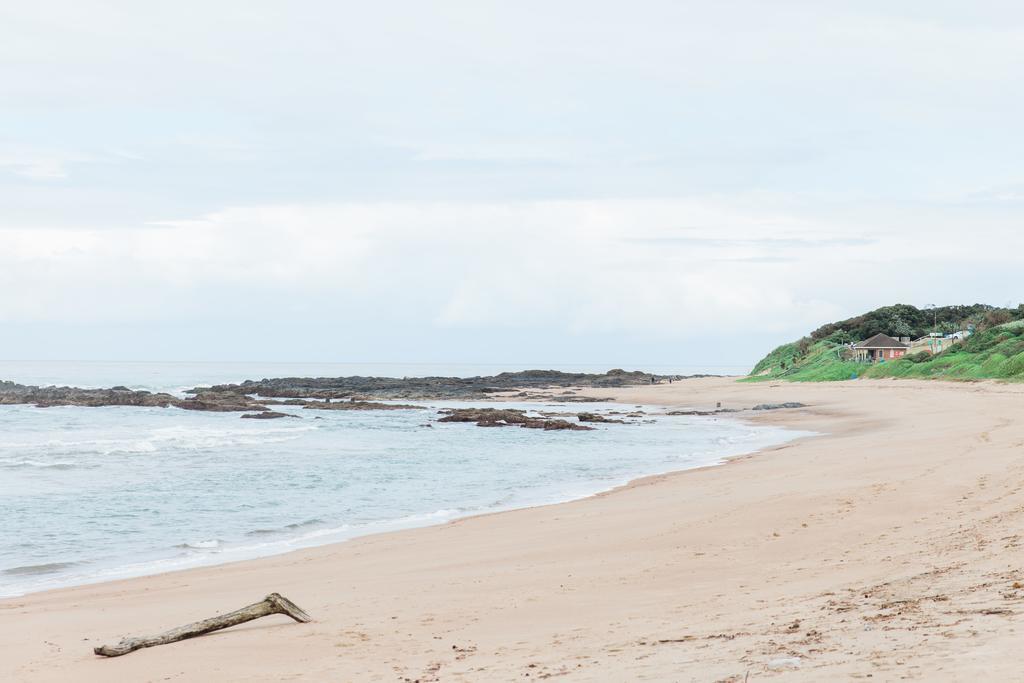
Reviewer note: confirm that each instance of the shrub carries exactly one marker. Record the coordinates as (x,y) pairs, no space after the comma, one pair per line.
(1013,366)
(997,317)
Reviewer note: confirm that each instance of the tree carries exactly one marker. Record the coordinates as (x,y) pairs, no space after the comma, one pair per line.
(900,327)
(996,317)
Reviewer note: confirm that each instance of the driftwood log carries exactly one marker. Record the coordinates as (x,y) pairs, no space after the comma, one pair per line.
(272,604)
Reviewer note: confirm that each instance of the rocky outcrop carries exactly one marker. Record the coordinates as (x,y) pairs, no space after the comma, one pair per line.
(324,393)
(558,424)
(359,405)
(424,388)
(507,417)
(46,397)
(779,406)
(580,399)
(719,411)
(267,415)
(204,400)
(212,401)
(594,417)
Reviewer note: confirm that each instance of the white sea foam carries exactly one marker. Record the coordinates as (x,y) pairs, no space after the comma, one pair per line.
(208,544)
(9,463)
(161,439)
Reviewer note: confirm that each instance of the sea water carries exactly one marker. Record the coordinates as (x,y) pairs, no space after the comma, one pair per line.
(91,494)
(175,377)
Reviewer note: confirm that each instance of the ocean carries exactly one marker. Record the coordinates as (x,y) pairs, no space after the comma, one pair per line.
(91,494)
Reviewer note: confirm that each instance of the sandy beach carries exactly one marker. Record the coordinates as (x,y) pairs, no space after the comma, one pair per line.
(889,548)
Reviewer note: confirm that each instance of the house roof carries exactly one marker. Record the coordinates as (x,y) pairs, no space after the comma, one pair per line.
(881,341)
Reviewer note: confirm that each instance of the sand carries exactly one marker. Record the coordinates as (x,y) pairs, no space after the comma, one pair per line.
(890,547)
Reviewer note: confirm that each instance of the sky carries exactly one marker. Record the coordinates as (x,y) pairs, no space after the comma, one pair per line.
(642,183)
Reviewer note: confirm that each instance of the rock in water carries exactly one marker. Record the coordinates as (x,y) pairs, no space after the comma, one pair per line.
(358,405)
(424,388)
(778,406)
(506,417)
(594,417)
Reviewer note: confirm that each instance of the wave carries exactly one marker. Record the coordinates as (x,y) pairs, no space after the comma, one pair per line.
(207,544)
(429,516)
(286,528)
(208,551)
(352,530)
(186,438)
(38,569)
(10,464)
(192,438)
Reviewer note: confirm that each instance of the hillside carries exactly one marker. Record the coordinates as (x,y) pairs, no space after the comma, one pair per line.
(994,351)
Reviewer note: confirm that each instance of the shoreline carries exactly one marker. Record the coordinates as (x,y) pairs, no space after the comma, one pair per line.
(844,554)
(138,568)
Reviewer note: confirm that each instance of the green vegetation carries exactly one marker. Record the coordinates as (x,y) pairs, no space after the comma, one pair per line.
(903,320)
(994,351)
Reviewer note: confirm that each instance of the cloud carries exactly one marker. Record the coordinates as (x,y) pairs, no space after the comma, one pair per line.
(461,170)
(44,163)
(434,272)
(570,265)
(1009,193)
(35,167)
(760,243)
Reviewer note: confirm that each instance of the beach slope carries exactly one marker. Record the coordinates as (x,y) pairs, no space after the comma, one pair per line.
(889,547)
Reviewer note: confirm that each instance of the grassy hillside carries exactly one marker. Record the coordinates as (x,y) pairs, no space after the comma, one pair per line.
(995,351)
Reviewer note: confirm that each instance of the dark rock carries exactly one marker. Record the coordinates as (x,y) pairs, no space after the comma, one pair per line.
(212,401)
(485,416)
(359,405)
(267,415)
(425,388)
(45,397)
(506,417)
(717,411)
(779,406)
(361,392)
(594,417)
(557,424)
(580,399)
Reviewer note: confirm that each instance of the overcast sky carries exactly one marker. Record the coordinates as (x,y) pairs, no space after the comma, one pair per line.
(526,182)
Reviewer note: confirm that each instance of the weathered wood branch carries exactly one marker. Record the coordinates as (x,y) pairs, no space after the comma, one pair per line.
(272,604)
